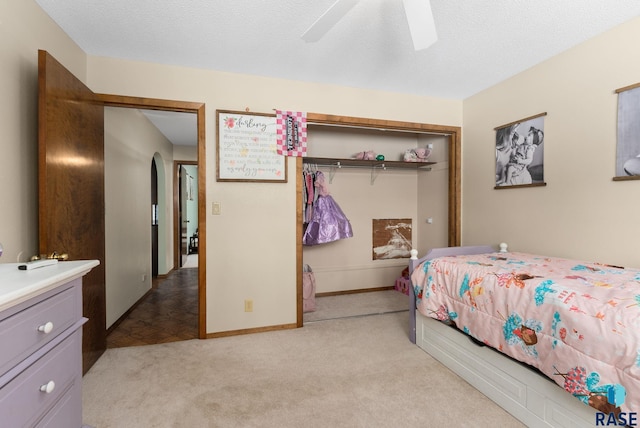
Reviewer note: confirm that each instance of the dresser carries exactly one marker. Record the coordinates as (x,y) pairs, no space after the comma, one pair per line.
(41,345)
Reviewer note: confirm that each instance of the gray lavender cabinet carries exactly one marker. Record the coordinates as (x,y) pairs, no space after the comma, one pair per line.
(41,345)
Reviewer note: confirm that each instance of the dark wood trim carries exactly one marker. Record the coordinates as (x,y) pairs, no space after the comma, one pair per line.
(110,100)
(299,235)
(627,88)
(389,125)
(202,224)
(150,103)
(455,188)
(626,178)
(358,291)
(519,121)
(519,186)
(251,330)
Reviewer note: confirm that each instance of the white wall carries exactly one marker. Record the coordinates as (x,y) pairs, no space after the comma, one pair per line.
(131,142)
(581,213)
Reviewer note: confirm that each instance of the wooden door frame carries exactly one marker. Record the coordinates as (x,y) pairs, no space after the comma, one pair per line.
(455,178)
(181,107)
(177,247)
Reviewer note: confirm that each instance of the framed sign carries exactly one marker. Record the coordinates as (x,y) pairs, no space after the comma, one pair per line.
(246,148)
(520,153)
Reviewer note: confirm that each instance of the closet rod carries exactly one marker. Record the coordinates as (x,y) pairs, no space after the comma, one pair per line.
(375,169)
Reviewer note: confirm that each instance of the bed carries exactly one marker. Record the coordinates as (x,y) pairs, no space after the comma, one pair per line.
(555,342)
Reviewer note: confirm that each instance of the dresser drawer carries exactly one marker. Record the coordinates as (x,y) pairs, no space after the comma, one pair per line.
(20,335)
(67,412)
(23,403)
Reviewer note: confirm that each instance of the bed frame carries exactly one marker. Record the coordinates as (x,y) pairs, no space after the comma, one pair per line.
(521,390)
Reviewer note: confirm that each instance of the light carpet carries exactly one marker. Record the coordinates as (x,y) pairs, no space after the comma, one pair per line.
(357,304)
(347,372)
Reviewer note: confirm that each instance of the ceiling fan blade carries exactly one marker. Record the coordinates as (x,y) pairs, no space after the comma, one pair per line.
(328,19)
(421,23)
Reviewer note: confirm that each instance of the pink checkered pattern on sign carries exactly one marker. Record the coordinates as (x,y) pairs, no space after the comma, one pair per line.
(286,144)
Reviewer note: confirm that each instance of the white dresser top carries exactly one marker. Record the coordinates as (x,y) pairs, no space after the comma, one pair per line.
(17,285)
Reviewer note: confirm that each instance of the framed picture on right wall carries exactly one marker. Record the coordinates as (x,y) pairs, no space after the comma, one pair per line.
(520,153)
(628,139)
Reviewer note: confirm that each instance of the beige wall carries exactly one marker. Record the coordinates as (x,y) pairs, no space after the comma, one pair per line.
(24,28)
(131,142)
(581,213)
(251,245)
(185,153)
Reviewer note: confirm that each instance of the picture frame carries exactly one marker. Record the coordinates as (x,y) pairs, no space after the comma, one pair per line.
(520,153)
(628,134)
(391,238)
(246,148)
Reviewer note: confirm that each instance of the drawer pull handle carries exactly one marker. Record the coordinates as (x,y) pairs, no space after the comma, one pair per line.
(48,387)
(46,328)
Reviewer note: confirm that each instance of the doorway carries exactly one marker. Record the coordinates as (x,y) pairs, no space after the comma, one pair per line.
(186,231)
(182,107)
(154,219)
(64,100)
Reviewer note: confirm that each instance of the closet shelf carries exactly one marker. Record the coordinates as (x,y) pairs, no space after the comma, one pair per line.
(358,163)
(375,165)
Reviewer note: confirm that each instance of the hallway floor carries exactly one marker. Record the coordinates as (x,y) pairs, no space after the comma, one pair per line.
(169,313)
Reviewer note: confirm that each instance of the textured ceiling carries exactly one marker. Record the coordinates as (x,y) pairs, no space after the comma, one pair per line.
(480,42)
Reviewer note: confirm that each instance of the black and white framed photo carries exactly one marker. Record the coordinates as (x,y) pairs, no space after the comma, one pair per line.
(628,139)
(520,153)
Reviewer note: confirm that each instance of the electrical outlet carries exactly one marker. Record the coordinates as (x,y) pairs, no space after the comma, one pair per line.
(248,305)
(144,277)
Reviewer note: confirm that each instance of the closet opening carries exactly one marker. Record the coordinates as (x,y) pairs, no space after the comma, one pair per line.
(386,201)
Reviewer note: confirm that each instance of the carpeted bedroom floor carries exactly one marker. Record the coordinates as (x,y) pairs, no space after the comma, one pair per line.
(349,371)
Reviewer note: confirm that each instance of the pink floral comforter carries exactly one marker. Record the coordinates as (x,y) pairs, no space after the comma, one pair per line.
(576,322)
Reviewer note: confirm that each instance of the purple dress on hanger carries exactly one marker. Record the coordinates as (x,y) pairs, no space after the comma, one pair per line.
(328,222)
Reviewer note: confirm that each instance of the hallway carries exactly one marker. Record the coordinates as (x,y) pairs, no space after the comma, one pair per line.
(169,313)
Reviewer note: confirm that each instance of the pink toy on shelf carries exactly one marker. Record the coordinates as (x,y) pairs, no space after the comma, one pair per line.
(368,155)
(419,154)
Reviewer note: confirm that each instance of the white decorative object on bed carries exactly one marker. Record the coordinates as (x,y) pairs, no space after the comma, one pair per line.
(574,322)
